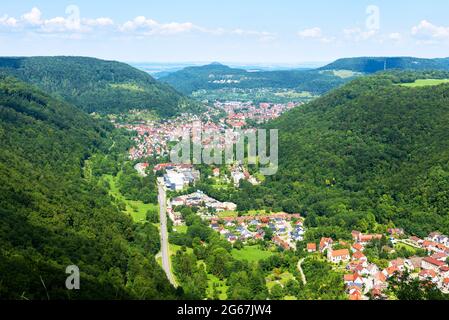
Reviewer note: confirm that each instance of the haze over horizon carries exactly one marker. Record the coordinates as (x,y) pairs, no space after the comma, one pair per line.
(253,32)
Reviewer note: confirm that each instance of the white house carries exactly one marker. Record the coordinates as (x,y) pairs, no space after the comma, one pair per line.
(337,256)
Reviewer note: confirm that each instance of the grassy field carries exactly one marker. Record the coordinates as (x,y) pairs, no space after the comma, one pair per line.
(345,73)
(399,245)
(251,254)
(136,209)
(180,229)
(281,279)
(219,285)
(227,214)
(425,83)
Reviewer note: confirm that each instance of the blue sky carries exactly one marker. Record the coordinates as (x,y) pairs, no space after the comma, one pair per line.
(248,31)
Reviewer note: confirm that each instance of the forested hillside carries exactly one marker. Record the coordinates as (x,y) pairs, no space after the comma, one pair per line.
(372,152)
(54,213)
(375,64)
(217,76)
(95,85)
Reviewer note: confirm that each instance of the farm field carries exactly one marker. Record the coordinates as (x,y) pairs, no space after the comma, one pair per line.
(251,253)
(425,83)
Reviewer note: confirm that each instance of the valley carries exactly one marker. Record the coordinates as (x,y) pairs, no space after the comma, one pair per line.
(351,208)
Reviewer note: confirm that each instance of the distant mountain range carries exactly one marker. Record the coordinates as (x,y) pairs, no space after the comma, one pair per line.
(375,64)
(317,81)
(218,76)
(95,85)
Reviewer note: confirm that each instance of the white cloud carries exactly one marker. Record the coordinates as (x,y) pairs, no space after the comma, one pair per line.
(98,22)
(72,26)
(7,21)
(315,34)
(261,35)
(143,26)
(62,25)
(69,26)
(357,34)
(427,31)
(310,33)
(33,17)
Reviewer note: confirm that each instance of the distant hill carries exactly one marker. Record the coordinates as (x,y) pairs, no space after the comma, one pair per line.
(372,152)
(218,76)
(375,64)
(95,85)
(53,215)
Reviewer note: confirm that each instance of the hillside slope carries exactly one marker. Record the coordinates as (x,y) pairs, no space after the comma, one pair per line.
(95,85)
(218,76)
(370,152)
(375,64)
(53,215)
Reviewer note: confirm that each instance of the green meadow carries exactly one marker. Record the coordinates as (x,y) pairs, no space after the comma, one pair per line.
(425,83)
(251,254)
(136,209)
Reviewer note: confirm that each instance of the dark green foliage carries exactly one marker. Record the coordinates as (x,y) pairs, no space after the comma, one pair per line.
(135,187)
(322,282)
(52,214)
(369,153)
(407,288)
(95,85)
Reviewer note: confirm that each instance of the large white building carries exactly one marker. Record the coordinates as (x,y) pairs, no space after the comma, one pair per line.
(174,180)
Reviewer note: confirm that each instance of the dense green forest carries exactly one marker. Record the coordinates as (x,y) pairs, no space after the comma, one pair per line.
(193,79)
(54,212)
(95,85)
(375,64)
(368,155)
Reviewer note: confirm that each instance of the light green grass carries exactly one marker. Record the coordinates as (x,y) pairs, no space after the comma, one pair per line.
(180,229)
(251,254)
(281,279)
(221,287)
(227,214)
(399,245)
(173,248)
(344,74)
(127,86)
(425,83)
(294,94)
(136,209)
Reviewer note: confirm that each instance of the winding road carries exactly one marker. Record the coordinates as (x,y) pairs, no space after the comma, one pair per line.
(165,254)
(303,277)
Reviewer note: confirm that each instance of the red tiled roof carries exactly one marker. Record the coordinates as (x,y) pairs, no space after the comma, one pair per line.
(433,261)
(391,270)
(428,273)
(358,255)
(348,277)
(340,253)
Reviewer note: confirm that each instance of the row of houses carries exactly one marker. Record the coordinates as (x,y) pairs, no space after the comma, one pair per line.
(200,199)
(366,278)
(286,228)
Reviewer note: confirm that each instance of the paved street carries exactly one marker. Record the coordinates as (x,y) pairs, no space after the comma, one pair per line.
(164,233)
